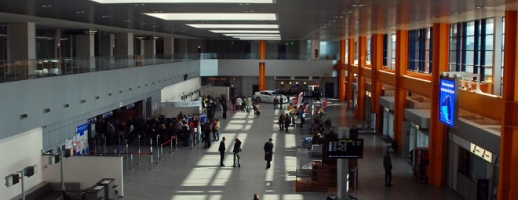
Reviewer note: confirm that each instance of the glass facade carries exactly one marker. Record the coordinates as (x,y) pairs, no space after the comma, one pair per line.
(419,50)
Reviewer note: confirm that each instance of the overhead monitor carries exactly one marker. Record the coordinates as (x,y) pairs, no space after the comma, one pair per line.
(448,101)
(345,148)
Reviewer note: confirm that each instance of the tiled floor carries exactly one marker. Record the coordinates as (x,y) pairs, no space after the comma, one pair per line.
(195,174)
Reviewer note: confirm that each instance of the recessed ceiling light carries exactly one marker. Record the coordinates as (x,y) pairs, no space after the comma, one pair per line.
(46,6)
(359,5)
(236,26)
(126,20)
(140,2)
(253,35)
(214,16)
(106,16)
(142,23)
(80,12)
(158,11)
(244,31)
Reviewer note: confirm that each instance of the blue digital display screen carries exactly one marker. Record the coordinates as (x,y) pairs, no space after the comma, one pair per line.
(447,101)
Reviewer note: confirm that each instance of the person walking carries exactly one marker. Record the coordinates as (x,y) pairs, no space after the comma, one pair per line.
(281,121)
(387,164)
(287,121)
(221,150)
(237,150)
(275,102)
(256,196)
(239,103)
(268,153)
(280,102)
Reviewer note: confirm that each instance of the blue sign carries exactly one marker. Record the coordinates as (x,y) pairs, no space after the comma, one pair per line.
(447,101)
(130,106)
(92,120)
(108,114)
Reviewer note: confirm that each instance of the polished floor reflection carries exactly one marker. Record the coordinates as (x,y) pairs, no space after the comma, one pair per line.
(195,174)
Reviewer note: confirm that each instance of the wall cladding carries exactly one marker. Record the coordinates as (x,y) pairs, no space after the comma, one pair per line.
(236,67)
(80,91)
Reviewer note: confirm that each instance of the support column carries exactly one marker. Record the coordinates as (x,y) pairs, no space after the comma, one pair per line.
(124,44)
(497,56)
(362,61)
(57,43)
(507,182)
(350,74)
(85,51)
(262,72)
(341,72)
(376,85)
(142,48)
(438,138)
(400,92)
(169,47)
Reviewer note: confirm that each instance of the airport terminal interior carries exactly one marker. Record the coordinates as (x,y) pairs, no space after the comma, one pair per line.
(342,99)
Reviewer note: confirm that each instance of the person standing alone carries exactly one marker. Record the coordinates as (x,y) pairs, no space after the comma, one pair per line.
(387,164)
(221,150)
(268,153)
(275,102)
(237,150)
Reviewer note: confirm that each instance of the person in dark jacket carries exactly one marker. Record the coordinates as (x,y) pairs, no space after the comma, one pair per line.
(237,150)
(287,122)
(206,133)
(221,150)
(387,164)
(268,153)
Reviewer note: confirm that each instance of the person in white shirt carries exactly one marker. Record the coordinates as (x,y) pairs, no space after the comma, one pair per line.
(239,102)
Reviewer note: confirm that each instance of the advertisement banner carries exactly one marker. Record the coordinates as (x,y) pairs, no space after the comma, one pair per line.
(81,140)
(186,104)
(299,100)
(448,101)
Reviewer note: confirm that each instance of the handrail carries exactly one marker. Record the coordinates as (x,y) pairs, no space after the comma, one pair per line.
(16,70)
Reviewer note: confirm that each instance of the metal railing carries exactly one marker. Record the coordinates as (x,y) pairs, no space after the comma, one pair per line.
(269,56)
(17,70)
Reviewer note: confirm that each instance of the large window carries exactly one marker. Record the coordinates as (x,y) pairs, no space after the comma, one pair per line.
(419,54)
(393,49)
(471,47)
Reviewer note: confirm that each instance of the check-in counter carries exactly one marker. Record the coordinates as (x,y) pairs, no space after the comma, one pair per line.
(109,187)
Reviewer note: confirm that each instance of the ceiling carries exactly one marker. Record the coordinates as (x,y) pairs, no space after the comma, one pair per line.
(297,19)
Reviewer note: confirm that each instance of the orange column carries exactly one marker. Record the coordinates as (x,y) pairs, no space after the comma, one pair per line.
(437,142)
(400,92)
(376,86)
(262,70)
(341,72)
(362,61)
(507,181)
(350,74)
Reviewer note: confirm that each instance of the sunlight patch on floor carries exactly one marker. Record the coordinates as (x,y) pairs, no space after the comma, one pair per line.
(290,162)
(199,177)
(222,177)
(197,197)
(290,141)
(283,197)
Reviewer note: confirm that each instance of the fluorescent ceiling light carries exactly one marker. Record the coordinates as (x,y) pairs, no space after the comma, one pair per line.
(215,16)
(239,26)
(181,1)
(253,35)
(245,31)
(259,38)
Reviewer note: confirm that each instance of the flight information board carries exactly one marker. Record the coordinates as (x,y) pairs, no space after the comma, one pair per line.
(345,148)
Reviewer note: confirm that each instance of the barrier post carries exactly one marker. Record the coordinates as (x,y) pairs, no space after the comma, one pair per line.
(139,163)
(171,145)
(176,142)
(151,150)
(126,156)
(104,144)
(131,160)
(158,148)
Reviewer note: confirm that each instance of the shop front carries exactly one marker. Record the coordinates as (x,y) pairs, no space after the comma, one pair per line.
(415,142)
(472,169)
(387,102)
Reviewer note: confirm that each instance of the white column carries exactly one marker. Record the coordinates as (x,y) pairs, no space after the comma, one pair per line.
(124,44)
(85,51)
(112,45)
(142,48)
(497,55)
(169,46)
(315,46)
(57,43)
(342,166)
(22,46)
